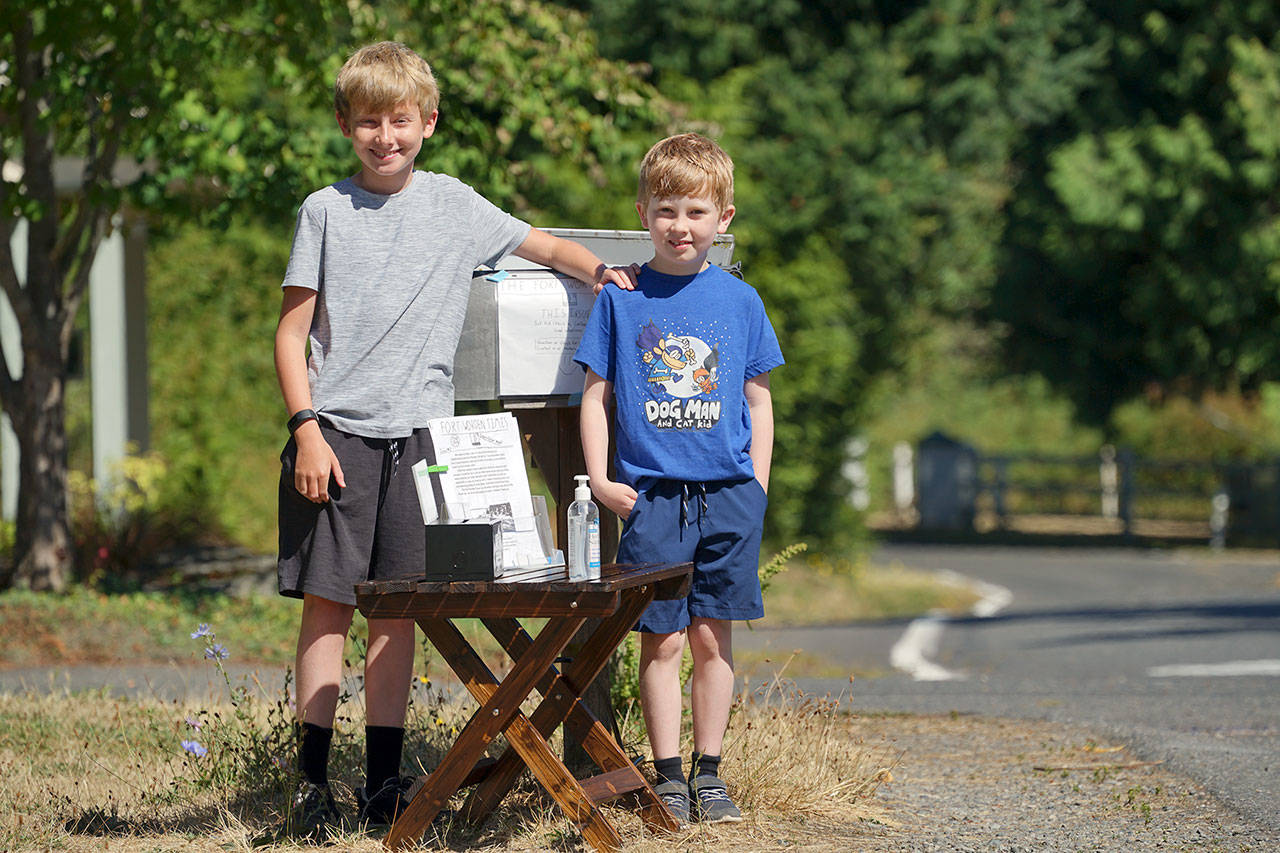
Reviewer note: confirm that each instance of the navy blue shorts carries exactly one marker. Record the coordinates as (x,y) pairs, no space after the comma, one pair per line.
(717,527)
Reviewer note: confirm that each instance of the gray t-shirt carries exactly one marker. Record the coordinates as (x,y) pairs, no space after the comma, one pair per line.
(393,274)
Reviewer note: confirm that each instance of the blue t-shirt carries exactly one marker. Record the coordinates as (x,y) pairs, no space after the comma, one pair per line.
(678,350)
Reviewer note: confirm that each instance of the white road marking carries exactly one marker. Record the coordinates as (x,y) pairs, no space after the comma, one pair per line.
(916,645)
(912,653)
(1222,670)
(994,597)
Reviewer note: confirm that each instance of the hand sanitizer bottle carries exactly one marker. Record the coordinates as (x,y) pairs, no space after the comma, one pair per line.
(584,533)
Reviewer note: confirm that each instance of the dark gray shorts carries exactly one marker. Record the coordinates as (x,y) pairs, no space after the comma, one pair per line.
(369,530)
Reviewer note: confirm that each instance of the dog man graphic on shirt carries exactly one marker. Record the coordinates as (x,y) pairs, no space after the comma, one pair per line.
(666,356)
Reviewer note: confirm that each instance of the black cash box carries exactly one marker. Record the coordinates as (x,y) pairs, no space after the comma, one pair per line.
(464,550)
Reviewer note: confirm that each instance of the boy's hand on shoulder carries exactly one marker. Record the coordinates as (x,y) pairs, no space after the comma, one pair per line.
(574,259)
(618,497)
(624,277)
(316,463)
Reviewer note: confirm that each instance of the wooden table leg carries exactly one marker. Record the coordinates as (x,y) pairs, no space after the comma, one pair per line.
(525,740)
(500,705)
(562,703)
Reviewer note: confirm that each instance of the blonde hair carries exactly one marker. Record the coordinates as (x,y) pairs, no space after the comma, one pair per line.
(382,76)
(686,164)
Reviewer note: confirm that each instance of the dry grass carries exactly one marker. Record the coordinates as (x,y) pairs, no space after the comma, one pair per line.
(825,594)
(801,663)
(91,772)
(802,755)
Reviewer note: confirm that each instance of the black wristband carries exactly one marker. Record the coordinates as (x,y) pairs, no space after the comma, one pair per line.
(300,417)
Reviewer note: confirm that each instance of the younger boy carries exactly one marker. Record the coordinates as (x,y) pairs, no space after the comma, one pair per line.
(377,288)
(686,356)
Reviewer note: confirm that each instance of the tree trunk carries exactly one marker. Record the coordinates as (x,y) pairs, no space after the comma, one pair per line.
(43,552)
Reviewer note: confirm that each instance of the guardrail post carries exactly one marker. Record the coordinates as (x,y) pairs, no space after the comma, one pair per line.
(855,471)
(1218,516)
(1001,483)
(1127,463)
(904,480)
(1109,477)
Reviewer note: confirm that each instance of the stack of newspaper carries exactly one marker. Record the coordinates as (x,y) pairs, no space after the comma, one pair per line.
(478,473)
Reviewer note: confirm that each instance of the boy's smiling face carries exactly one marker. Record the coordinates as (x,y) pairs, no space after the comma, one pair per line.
(387,141)
(683,229)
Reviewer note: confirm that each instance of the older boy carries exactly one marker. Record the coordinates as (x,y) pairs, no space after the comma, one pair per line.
(686,356)
(377,288)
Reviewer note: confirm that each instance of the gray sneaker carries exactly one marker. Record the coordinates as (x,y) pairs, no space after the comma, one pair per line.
(675,796)
(711,803)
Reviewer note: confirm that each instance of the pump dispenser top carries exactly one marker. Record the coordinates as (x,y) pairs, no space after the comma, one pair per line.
(582,492)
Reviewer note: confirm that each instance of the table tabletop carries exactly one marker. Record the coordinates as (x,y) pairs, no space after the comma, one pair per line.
(417,599)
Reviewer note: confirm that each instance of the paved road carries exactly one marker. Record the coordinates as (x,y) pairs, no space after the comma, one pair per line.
(194,682)
(1175,653)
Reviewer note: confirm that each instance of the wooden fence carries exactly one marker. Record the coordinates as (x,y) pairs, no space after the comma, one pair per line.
(1112,492)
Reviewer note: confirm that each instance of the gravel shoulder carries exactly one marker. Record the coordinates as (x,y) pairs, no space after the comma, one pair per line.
(970,783)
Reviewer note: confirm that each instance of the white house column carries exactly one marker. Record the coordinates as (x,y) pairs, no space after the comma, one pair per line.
(118,348)
(11,340)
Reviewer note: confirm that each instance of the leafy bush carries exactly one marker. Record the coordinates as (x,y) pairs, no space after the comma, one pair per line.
(7,529)
(216,415)
(1217,426)
(121,528)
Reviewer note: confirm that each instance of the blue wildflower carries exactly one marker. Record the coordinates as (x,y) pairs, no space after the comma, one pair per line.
(202,630)
(217,651)
(194,723)
(195,748)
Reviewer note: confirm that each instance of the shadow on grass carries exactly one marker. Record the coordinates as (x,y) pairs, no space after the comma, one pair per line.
(262,814)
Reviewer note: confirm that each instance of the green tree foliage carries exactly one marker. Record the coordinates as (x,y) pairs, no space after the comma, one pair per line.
(1143,244)
(521,88)
(226,106)
(212,300)
(872,143)
(96,82)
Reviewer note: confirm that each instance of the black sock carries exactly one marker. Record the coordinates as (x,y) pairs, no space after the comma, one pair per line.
(383,745)
(668,769)
(313,752)
(705,765)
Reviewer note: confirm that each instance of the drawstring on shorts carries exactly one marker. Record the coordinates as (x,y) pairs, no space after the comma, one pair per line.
(393,447)
(390,464)
(701,494)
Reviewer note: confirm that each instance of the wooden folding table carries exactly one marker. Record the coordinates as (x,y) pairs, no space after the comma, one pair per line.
(617,599)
